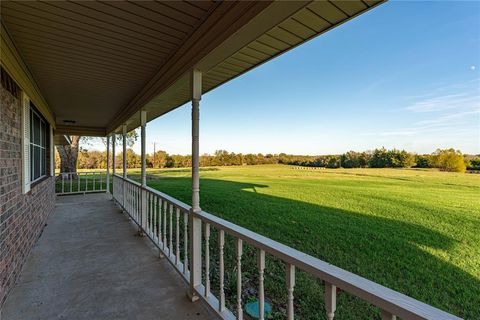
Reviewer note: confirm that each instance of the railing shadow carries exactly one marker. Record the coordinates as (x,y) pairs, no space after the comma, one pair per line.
(390,252)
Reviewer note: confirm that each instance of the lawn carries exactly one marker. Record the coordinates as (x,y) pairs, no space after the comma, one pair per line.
(412,230)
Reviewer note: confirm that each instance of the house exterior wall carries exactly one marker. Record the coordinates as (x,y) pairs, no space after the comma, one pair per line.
(22,216)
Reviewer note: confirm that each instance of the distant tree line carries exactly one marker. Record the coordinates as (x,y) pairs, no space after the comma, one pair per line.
(446,159)
(443,159)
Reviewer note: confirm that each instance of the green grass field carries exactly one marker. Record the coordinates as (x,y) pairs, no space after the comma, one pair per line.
(415,231)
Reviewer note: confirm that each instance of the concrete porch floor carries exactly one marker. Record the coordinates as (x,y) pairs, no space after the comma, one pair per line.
(88,264)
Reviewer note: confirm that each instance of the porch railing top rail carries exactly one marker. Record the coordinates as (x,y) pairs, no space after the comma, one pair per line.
(387,299)
(177,203)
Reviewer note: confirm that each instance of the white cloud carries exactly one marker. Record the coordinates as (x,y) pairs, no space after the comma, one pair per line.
(459,101)
(446,116)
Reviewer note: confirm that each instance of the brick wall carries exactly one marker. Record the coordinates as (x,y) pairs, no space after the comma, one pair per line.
(22,216)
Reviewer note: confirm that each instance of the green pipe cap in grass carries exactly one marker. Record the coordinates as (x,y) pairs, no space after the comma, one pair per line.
(251,309)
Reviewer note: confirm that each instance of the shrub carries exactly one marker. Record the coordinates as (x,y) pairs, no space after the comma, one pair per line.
(449,160)
(424,161)
(473,164)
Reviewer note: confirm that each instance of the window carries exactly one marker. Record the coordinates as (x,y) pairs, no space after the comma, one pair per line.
(38,145)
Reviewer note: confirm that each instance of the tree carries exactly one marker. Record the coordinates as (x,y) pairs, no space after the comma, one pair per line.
(159,159)
(474,163)
(91,159)
(449,160)
(350,159)
(424,161)
(69,153)
(379,158)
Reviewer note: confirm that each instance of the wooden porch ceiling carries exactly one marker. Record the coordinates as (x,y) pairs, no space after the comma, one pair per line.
(99,63)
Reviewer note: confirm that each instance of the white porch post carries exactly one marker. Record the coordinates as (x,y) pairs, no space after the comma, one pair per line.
(195,224)
(52,153)
(124,136)
(114,138)
(124,173)
(143,124)
(108,165)
(113,153)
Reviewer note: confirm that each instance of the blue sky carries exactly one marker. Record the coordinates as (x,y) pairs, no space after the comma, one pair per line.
(404,75)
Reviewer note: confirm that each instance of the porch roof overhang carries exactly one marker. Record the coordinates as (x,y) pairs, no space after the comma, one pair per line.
(61,139)
(100,63)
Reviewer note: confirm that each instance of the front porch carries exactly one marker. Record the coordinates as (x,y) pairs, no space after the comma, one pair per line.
(98,69)
(89,264)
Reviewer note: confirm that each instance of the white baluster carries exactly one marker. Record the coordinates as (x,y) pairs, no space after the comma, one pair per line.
(155,211)
(185,242)
(221,244)
(330,300)
(165,207)
(239,279)
(387,315)
(261,294)
(160,210)
(170,232)
(177,236)
(144,211)
(207,259)
(152,215)
(159,207)
(140,206)
(149,214)
(290,269)
(125,197)
(142,214)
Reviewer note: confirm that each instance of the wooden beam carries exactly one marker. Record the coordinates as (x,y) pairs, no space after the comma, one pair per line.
(80,131)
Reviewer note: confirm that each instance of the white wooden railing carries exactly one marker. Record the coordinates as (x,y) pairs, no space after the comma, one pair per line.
(165,221)
(80,182)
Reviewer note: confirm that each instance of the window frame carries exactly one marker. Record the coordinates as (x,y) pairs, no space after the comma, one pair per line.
(41,146)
